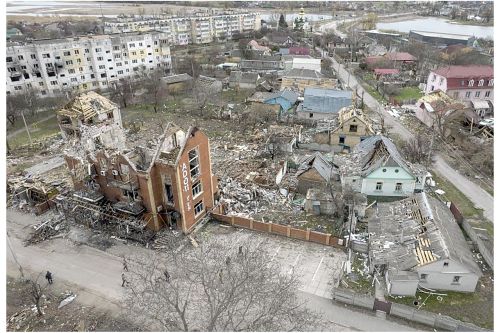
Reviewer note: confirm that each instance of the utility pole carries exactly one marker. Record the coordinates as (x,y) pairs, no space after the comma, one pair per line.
(26,126)
(431,146)
(14,256)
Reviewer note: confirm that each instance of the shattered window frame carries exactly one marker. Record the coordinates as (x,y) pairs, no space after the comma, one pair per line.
(194,163)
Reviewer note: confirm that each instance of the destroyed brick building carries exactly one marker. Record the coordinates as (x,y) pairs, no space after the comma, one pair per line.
(167,184)
(87,109)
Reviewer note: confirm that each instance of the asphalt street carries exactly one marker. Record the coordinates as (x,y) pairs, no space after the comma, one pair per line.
(98,275)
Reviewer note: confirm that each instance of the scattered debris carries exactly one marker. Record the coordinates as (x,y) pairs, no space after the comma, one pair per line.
(66,301)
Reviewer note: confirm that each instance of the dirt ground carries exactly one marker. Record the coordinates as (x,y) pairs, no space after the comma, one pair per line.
(22,316)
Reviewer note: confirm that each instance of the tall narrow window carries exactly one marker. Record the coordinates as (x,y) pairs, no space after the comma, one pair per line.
(378,187)
(197,188)
(399,187)
(198,208)
(194,163)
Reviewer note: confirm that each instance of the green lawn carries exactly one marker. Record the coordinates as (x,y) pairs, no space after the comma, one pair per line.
(452,194)
(18,124)
(476,308)
(39,131)
(408,93)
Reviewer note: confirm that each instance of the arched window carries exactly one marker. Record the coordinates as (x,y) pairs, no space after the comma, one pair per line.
(480,83)
(471,83)
(490,83)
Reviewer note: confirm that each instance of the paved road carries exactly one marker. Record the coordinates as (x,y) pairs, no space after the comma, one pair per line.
(348,319)
(98,274)
(479,197)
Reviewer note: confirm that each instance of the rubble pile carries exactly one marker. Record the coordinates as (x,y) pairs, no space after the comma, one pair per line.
(49,229)
(238,199)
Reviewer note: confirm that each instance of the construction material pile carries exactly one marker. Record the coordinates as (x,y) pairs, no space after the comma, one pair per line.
(49,229)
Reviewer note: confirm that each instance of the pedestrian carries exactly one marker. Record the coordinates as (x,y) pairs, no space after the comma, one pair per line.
(48,276)
(125,266)
(228,260)
(167,276)
(124,281)
(240,250)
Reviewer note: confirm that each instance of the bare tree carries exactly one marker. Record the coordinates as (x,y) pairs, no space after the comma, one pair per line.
(36,293)
(203,94)
(121,91)
(156,89)
(273,146)
(416,150)
(218,286)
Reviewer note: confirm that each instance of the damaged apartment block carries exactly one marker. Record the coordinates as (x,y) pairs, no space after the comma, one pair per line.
(170,184)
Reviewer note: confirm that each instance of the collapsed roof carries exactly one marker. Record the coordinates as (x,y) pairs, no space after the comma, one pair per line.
(86,106)
(414,232)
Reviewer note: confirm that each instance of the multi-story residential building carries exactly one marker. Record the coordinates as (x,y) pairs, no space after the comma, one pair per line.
(198,29)
(464,83)
(79,64)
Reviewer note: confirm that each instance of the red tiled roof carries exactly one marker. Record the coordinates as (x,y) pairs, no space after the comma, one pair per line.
(386,71)
(472,71)
(298,50)
(400,56)
(373,60)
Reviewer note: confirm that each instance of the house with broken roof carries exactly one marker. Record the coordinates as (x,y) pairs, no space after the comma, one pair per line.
(323,103)
(435,108)
(417,244)
(261,49)
(177,83)
(170,184)
(88,108)
(376,168)
(282,138)
(298,79)
(352,127)
(243,80)
(316,172)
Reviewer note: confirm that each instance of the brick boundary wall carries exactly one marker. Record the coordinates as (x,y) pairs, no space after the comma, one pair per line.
(279,229)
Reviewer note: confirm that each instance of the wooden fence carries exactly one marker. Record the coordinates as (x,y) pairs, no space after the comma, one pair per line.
(282,230)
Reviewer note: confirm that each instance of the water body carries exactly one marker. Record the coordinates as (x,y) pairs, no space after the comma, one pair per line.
(291,17)
(435,24)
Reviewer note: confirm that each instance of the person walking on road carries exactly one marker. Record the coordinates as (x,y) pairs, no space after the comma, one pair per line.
(125,266)
(124,281)
(48,276)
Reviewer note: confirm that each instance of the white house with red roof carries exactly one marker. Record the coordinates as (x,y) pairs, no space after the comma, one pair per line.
(465,83)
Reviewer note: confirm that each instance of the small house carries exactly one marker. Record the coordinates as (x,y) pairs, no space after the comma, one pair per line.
(316,172)
(298,79)
(353,126)
(376,168)
(243,80)
(436,107)
(177,83)
(319,202)
(416,243)
(323,103)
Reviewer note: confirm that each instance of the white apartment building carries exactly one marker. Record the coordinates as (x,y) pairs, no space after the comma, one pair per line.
(79,64)
(196,29)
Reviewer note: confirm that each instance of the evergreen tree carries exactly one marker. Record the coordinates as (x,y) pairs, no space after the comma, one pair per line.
(282,23)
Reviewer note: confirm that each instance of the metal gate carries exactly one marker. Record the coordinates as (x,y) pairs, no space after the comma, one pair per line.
(382,306)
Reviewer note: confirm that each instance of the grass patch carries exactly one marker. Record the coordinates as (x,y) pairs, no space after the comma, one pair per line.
(374,92)
(38,130)
(18,124)
(452,194)
(467,307)
(363,283)
(408,93)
